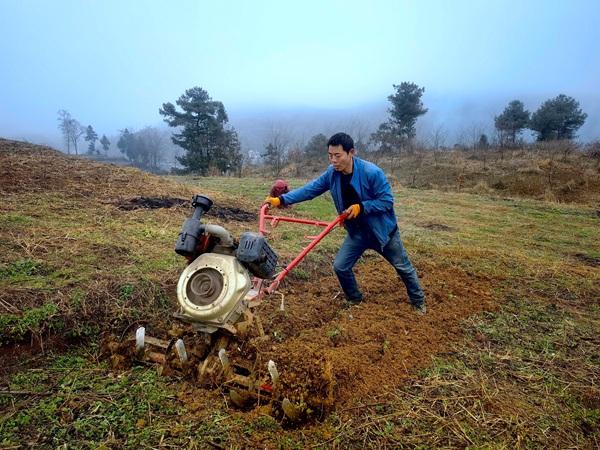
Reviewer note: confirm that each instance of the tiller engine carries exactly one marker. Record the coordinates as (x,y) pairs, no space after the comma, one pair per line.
(217,293)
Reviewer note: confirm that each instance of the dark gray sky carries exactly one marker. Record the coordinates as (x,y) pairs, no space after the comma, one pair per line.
(113,63)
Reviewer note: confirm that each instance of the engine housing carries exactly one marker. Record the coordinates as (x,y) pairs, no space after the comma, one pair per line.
(211,291)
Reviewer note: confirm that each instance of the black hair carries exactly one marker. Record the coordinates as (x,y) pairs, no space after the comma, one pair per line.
(341,139)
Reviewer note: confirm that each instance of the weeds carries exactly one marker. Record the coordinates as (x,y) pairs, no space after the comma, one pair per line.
(126,292)
(22,269)
(136,408)
(35,320)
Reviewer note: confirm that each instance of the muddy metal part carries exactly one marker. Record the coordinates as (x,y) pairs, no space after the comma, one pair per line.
(216,368)
(217,295)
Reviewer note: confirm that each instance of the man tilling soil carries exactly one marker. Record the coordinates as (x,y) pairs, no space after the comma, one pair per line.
(360,189)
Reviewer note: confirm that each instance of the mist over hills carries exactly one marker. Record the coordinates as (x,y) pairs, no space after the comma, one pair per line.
(460,119)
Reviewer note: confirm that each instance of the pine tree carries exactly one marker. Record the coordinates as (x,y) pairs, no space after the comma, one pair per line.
(406,108)
(511,122)
(105,143)
(91,136)
(558,118)
(203,133)
(126,145)
(316,149)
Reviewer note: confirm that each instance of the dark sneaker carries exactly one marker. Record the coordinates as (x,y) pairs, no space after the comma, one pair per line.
(421,309)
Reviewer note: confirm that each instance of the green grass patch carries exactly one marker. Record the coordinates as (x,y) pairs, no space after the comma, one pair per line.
(16,220)
(34,320)
(21,270)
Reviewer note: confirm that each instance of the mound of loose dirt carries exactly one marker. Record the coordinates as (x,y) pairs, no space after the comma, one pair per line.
(330,357)
(28,168)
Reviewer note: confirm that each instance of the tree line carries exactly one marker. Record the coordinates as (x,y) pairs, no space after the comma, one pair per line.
(556,119)
(201,130)
(143,148)
(72,131)
(211,145)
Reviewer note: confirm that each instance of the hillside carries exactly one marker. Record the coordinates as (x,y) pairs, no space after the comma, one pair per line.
(559,172)
(506,356)
(73,227)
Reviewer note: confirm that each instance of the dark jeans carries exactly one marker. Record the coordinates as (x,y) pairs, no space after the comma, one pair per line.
(353,248)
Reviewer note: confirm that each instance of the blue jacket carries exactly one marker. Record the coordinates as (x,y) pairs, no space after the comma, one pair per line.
(372,187)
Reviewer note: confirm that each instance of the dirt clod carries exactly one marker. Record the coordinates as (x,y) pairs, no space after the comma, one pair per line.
(437,227)
(587,260)
(221,212)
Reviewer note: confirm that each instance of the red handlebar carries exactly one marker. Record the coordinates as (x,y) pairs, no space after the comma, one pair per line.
(315,240)
(276,219)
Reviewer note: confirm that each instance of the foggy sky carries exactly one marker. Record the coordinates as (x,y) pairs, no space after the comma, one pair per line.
(113,63)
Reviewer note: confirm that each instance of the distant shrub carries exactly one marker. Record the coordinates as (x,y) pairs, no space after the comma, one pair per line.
(499,185)
(592,150)
(481,188)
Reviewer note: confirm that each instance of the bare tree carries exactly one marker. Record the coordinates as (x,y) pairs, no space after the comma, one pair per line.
(296,157)
(477,140)
(438,139)
(150,141)
(64,125)
(361,134)
(71,130)
(276,148)
(498,139)
(473,135)
(462,138)
(78,131)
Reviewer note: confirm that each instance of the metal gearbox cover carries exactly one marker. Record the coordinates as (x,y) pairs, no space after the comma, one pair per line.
(212,289)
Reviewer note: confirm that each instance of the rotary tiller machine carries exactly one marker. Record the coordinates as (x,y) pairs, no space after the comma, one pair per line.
(224,282)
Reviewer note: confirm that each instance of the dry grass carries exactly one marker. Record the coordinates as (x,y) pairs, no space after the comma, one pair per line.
(512,387)
(560,172)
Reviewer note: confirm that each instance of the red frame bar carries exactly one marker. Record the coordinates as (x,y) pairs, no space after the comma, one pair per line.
(315,239)
(276,219)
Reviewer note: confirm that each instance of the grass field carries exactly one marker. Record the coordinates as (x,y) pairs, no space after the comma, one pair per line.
(520,368)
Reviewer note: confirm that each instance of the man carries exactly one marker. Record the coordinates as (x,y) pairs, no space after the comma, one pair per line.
(360,189)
